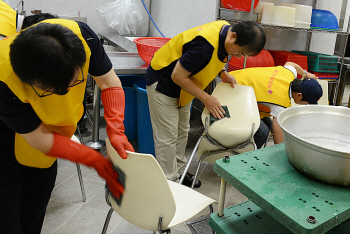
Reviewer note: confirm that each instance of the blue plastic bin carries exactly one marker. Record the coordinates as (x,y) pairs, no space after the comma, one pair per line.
(144,126)
(130,115)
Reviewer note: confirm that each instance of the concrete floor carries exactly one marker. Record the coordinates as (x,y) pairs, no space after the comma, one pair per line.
(68,214)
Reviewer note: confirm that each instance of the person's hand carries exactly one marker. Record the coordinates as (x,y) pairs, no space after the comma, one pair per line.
(105,169)
(120,143)
(64,148)
(310,75)
(113,100)
(228,78)
(214,107)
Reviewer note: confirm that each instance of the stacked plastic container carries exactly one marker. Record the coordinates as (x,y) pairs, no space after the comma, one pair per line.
(322,65)
(281,57)
(263,59)
(302,15)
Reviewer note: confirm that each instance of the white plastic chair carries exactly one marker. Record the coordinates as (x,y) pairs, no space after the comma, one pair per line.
(75,139)
(228,136)
(150,201)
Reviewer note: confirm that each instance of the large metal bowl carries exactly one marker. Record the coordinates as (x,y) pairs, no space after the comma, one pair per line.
(317,141)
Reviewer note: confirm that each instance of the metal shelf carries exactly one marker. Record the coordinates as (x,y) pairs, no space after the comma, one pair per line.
(232,21)
(233,17)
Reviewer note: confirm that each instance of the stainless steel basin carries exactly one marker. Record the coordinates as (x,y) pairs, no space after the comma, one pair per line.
(317,141)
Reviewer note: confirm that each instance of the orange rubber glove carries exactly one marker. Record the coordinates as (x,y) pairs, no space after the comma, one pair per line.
(64,148)
(113,100)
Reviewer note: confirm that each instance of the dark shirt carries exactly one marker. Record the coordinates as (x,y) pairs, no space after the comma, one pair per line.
(195,56)
(20,117)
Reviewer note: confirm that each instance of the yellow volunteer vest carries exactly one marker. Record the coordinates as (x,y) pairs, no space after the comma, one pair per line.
(59,113)
(172,51)
(271,84)
(8,19)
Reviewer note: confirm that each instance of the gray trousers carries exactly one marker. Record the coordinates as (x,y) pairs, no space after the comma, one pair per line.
(170,125)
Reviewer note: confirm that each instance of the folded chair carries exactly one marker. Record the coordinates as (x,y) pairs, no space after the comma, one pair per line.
(150,201)
(227,136)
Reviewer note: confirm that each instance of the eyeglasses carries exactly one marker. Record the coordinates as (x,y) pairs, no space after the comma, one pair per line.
(48,93)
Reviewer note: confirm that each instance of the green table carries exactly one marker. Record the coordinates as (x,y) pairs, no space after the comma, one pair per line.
(301,204)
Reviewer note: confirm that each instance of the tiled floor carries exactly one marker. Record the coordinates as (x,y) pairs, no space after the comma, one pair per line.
(68,214)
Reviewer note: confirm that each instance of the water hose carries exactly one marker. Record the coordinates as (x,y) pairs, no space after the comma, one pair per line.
(151,18)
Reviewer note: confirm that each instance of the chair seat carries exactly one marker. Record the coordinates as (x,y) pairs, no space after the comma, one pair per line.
(188,203)
(243,110)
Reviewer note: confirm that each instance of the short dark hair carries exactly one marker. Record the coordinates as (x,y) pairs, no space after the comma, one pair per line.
(295,87)
(250,35)
(36,18)
(47,55)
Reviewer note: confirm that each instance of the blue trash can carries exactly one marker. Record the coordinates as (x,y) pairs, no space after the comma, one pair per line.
(130,115)
(144,126)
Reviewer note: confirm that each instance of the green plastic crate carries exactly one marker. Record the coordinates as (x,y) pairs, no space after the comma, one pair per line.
(318,62)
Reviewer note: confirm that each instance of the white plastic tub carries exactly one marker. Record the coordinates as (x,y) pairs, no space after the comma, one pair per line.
(283,16)
(302,14)
(259,9)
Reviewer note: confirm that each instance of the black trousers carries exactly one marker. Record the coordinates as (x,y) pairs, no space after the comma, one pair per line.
(24,195)
(261,135)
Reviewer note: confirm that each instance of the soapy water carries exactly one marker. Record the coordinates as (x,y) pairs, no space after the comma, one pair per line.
(330,140)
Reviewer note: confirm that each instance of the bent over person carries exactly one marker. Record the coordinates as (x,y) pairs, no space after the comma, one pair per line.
(12,22)
(180,71)
(274,88)
(42,85)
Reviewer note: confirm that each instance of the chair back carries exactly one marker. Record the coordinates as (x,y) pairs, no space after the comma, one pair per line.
(243,110)
(147,193)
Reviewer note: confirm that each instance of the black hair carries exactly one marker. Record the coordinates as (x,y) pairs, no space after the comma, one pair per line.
(250,35)
(295,87)
(36,18)
(47,55)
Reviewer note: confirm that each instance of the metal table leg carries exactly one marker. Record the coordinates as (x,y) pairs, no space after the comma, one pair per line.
(95,143)
(222,198)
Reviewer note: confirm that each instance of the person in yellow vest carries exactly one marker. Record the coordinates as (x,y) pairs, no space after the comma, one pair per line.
(274,88)
(12,22)
(42,85)
(180,71)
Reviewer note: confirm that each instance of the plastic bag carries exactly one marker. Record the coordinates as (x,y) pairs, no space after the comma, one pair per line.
(123,16)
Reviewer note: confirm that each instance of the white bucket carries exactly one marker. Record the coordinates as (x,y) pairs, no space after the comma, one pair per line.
(259,9)
(302,14)
(283,16)
(266,14)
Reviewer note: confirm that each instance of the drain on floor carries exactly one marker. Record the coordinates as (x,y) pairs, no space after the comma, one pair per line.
(200,225)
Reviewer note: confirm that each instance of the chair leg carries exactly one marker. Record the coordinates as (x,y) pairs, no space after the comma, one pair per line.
(108,218)
(89,117)
(160,227)
(79,170)
(197,171)
(190,160)
(211,211)
(81,182)
(160,224)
